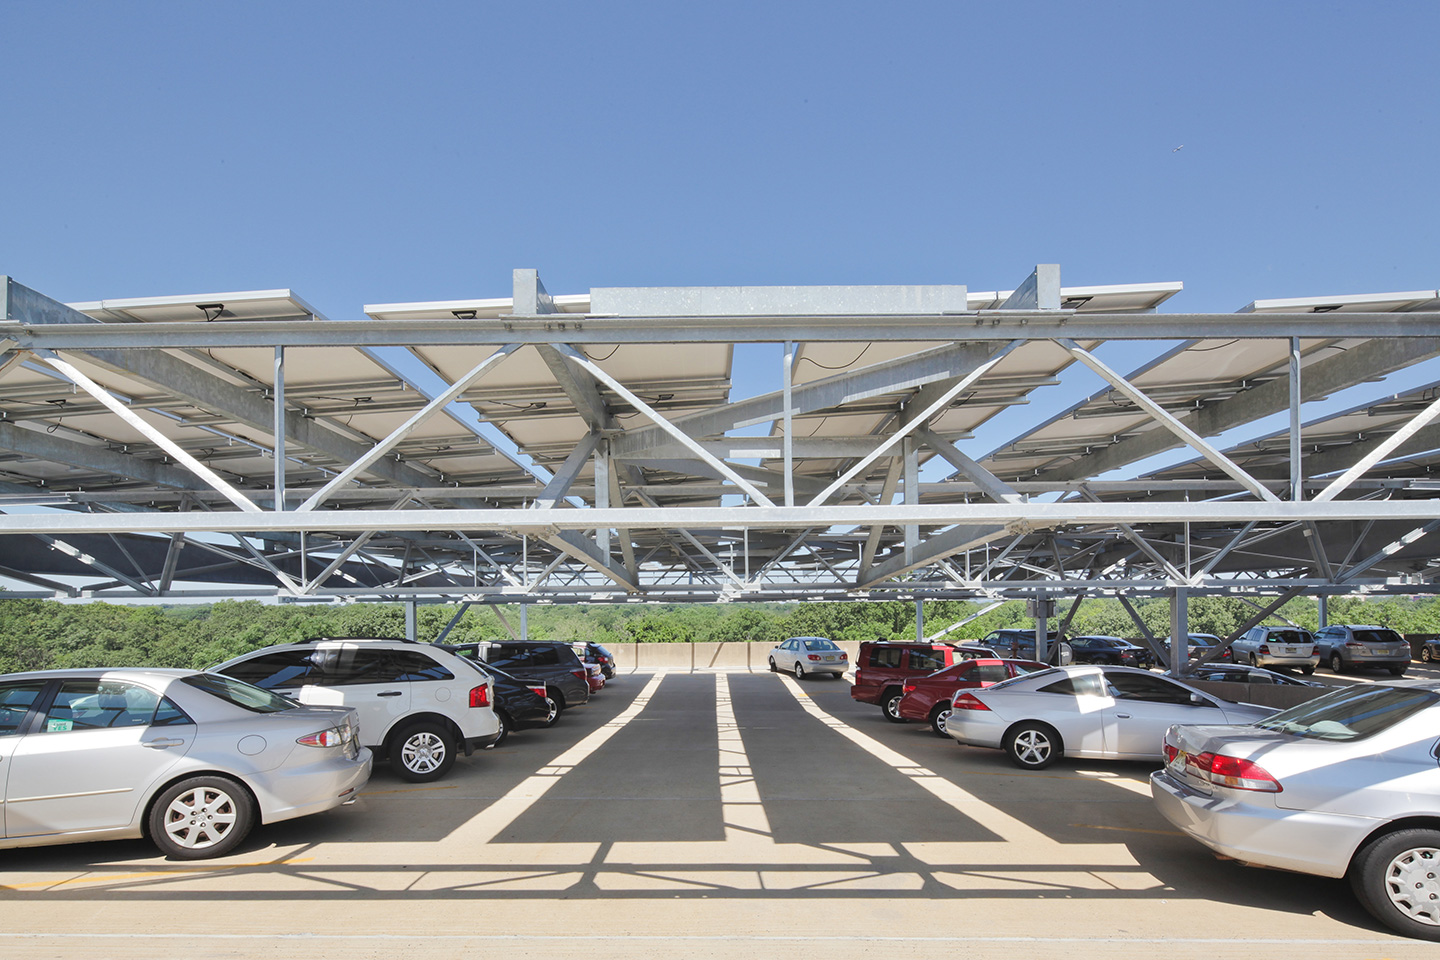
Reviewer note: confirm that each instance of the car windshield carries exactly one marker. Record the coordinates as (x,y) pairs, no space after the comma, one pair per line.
(1351,713)
(239,693)
(820,645)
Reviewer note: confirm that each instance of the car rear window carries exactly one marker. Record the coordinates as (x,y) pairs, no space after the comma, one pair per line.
(1288,636)
(820,645)
(239,693)
(1378,636)
(1351,713)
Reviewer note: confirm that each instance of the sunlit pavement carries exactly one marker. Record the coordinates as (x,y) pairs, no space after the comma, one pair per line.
(702,814)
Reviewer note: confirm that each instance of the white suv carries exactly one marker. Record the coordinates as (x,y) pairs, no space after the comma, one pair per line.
(418,704)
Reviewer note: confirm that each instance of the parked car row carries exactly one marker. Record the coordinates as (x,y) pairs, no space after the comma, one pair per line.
(194,760)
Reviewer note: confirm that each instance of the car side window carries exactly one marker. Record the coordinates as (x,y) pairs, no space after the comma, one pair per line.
(886,657)
(100,704)
(927,660)
(286,668)
(350,665)
(1085,685)
(988,672)
(411,666)
(1151,689)
(15,701)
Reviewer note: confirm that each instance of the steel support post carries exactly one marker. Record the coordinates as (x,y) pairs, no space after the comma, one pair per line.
(789,424)
(919,620)
(1296,477)
(278,397)
(411,626)
(1179,625)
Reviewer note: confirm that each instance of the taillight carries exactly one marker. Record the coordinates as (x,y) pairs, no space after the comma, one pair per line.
(812,656)
(908,688)
(480,696)
(968,701)
(325,738)
(1355,643)
(1171,751)
(844,655)
(1238,774)
(580,674)
(1264,648)
(538,691)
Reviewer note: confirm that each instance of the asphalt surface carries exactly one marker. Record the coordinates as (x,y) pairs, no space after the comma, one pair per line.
(701,815)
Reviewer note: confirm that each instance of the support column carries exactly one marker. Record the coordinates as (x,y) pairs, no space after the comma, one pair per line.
(911,459)
(789,373)
(524,621)
(1179,627)
(1042,630)
(919,620)
(1324,609)
(1296,478)
(279,428)
(411,631)
(602,494)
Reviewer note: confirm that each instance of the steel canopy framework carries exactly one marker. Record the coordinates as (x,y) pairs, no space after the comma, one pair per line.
(589,448)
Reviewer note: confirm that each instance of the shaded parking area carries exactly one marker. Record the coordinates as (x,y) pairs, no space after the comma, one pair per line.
(701,814)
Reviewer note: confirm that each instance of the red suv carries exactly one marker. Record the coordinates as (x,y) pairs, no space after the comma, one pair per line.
(928,698)
(883,667)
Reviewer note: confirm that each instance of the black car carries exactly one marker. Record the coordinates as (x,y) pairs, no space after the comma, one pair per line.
(519,703)
(591,652)
(1113,650)
(551,661)
(1240,673)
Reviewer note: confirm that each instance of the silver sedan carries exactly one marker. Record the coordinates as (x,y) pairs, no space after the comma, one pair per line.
(804,656)
(1113,713)
(190,760)
(1346,785)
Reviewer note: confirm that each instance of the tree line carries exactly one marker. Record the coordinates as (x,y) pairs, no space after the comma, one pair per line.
(45,634)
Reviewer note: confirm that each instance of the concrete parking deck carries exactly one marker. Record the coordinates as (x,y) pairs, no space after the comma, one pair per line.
(710,814)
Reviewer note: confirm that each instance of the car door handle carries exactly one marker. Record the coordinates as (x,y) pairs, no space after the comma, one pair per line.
(161,742)
(390,693)
(1123,716)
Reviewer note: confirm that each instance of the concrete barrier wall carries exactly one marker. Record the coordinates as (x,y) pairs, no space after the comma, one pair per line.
(735,655)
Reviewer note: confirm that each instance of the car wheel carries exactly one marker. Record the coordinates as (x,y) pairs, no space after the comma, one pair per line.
(1254,660)
(938,716)
(506,725)
(1337,665)
(1425,654)
(1308,671)
(890,704)
(1398,670)
(773,668)
(799,670)
(1033,746)
(422,752)
(554,706)
(201,817)
(1395,876)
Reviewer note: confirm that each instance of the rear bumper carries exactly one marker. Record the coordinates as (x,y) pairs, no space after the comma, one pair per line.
(1254,830)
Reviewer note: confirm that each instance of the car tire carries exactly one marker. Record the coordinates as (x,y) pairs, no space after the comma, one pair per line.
(201,817)
(799,670)
(555,704)
(1033,745)
(422,752)
(773,668)
(1308,671)
(1425,654)
(1337,664)
(938,716)
(506,725)
(1396,877)
(1254,660)
(1398,670)
(890,704)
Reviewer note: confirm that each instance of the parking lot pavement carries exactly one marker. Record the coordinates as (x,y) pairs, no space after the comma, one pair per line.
(701,815)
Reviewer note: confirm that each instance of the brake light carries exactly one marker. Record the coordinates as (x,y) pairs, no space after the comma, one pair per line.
(580,674)
(908,688)
(1238,774)
(844,655)
(812,656)
(480,696)
(968,701)
(538,691)
(1171,751)
(325,738)
(1264,648)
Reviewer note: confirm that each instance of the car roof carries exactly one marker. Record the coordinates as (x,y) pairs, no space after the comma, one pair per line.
(85,673)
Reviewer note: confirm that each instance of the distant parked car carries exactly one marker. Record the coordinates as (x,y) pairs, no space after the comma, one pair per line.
(1347,647)
(883,667)
(1346,785)
(591,652)
(928,698)
(1278,647)
(804,656)
(190,760)
(1113,650)
(1240,673)
(519,703)
(567,681)
(1429,651)
(418,703)
(594,677)
(1020,645)
(1113,713)
(1202,643)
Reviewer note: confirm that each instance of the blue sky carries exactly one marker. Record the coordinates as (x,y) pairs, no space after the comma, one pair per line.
(366,152)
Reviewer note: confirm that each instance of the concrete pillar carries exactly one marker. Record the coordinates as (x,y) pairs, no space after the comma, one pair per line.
(411,629)
(1179,627)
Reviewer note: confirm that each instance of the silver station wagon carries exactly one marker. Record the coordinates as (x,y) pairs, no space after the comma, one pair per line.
(190,760)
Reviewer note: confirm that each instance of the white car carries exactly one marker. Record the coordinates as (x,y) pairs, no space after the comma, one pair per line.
(1344,785)
(804,656)
(1098,712)
(419,704)
(191,760)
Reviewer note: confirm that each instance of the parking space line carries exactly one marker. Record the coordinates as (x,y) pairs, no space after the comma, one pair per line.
(152,874)
(740,806)
(489,823)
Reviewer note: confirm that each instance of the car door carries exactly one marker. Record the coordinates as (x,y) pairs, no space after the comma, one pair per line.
(1145,705)
(17,698)
(89,762)
(352,675)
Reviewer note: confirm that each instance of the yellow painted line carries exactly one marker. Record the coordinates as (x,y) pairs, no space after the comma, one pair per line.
(151,874)
(1158,833)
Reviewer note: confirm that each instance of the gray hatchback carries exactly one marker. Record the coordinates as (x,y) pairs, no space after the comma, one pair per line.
(1353,646)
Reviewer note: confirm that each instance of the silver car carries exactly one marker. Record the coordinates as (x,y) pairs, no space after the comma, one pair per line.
(191,760)
(804,656)
(1352,646)
(1113,713)
(1346,785)
(1277,647)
